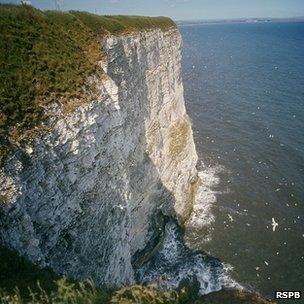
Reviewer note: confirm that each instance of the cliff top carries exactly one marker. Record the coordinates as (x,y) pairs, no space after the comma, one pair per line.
(48,55)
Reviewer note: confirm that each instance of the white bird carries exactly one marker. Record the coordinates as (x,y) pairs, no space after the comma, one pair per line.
(121,207)
(230,218)
(274,224)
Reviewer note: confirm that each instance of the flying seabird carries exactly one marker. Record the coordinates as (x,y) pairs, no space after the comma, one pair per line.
(274,224)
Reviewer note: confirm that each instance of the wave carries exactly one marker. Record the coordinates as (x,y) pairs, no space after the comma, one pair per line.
(199,226)
(175,263)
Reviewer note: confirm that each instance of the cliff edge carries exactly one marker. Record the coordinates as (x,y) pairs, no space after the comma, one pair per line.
(89,176)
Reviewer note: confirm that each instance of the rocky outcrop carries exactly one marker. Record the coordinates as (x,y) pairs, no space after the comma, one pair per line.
(88,195)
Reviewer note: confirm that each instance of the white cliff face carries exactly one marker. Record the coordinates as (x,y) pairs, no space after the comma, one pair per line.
(89,194)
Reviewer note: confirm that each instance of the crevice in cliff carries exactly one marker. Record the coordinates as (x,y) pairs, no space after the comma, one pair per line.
(140,257)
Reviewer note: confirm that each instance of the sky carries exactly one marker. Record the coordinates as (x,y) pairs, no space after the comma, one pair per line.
(181,9)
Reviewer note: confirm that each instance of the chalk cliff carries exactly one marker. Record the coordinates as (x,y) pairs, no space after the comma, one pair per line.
(88,196)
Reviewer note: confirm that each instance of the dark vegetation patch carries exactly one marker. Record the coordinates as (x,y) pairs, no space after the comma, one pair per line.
(48,56)
(18,271)
(23,282)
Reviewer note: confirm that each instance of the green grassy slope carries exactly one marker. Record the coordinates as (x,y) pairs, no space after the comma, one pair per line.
(46,56)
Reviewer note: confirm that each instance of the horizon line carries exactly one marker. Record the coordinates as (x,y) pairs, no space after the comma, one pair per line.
(238,19)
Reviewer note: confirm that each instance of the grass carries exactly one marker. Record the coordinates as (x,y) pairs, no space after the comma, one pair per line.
(48,56)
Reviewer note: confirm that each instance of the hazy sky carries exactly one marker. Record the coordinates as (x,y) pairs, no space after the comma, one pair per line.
(182,9)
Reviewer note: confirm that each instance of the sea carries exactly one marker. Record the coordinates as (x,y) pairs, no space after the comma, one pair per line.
(244,92)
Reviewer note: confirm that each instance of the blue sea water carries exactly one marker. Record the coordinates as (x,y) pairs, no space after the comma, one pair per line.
(244,91)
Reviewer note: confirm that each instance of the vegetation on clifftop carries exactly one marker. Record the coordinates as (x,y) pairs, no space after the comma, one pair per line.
(47,56)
